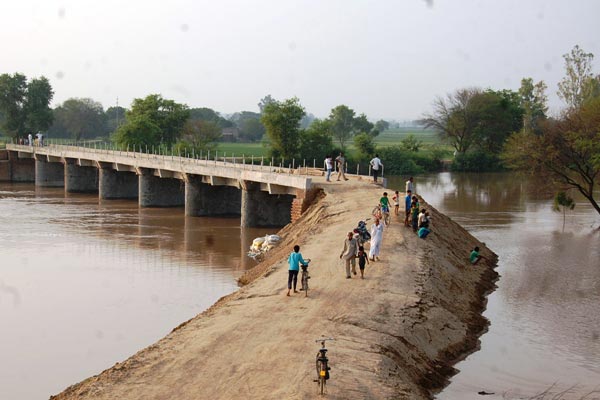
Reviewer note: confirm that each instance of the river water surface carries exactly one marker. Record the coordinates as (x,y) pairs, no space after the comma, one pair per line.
(85,284)
(545,314)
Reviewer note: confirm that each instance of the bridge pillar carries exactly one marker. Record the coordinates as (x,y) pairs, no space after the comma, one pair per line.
(80,179)
(160,192)
(202,199)
(114,184)
(17,169)
(48,173)
(259,208)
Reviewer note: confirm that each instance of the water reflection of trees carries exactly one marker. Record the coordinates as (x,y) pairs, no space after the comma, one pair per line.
(494,198)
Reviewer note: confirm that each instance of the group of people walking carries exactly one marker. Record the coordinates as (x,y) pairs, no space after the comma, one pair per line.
(415,217)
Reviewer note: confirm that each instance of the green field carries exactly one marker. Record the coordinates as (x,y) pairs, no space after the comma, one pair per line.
(392,137)
(242,149)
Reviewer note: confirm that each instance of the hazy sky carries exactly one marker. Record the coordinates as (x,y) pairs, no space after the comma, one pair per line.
(386,58)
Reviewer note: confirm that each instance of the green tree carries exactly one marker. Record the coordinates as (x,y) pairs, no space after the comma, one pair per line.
(455,119)
(80,119)
(498,115)
(282,122)
(37,104)
(362,125)
(25,105)
(167,115)
(534,103)
(115,117)
(315,141)
(264,101)
(13,89)
(363,142)
(208,114)
(342,124)
(564,201)
(199,135)
(579,84)
(470,119)
(566,152)
(251,129)
(382,125)
(139,132)
(411,143)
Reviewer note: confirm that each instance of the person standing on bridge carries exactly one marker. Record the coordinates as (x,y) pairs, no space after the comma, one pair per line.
(294,260)
(341,163)
(328,167)
(376,165)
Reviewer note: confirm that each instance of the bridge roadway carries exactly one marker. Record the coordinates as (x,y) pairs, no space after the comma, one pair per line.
(262,195)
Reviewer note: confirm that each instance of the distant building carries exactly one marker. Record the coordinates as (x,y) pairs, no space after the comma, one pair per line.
(231,134)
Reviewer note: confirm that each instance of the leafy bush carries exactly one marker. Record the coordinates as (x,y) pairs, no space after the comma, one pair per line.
(476,161)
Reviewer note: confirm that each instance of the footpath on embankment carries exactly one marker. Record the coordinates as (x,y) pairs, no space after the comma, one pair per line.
(398,332)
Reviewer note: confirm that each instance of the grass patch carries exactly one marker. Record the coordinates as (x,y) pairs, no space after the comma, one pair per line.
(246,149)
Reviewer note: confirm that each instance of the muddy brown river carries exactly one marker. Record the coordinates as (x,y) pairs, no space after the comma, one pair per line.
(85,284)
(545,314)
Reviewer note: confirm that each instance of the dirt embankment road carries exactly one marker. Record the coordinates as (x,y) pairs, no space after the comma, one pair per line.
(397,332)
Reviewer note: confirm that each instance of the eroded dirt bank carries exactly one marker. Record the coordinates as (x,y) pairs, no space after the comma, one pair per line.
(397,332)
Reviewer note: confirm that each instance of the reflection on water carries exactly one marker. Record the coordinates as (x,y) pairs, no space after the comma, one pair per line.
(84,284)
(545,324)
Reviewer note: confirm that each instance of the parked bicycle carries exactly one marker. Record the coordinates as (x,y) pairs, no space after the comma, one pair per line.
(304,278)
(322,365)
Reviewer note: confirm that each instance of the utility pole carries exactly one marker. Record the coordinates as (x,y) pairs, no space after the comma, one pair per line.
(117,111)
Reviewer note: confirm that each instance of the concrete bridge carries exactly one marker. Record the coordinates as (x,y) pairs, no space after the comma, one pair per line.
(262,195)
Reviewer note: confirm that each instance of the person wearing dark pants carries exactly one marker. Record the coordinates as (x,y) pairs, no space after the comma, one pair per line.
(376,166)
(294,260)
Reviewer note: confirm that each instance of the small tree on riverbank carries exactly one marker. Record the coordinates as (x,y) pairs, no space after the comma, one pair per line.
(563,201)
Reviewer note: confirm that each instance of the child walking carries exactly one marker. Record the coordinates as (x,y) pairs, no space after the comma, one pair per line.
(363,259)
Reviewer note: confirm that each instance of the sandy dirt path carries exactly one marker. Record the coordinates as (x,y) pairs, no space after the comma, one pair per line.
(397,331)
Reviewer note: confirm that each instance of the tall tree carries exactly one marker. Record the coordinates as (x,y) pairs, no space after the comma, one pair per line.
(567,151)
(13,91)
(138,133)
(534,103)
(208,114)
(37,104)
(315,141)
(363,142)
(200,135)
(167,115)
(80,119)
(26,106)
(282,122)
(342,124)
(579,84)
(115,117)
(362,125)
(382,125)
(264,101)
(455,119)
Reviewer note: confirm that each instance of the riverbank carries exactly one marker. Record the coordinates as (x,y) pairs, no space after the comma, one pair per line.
(398,331)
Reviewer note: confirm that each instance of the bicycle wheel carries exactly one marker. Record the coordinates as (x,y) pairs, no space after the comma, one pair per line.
(321,372)
(305,283)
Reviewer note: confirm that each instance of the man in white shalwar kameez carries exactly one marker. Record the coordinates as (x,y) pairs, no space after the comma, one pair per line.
(376,237)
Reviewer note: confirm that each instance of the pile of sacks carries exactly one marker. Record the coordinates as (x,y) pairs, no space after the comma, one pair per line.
(261,245)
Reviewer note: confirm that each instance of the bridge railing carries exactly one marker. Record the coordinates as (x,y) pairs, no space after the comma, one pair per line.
(267,164)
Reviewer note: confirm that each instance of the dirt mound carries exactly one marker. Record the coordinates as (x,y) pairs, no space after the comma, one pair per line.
(397,332)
